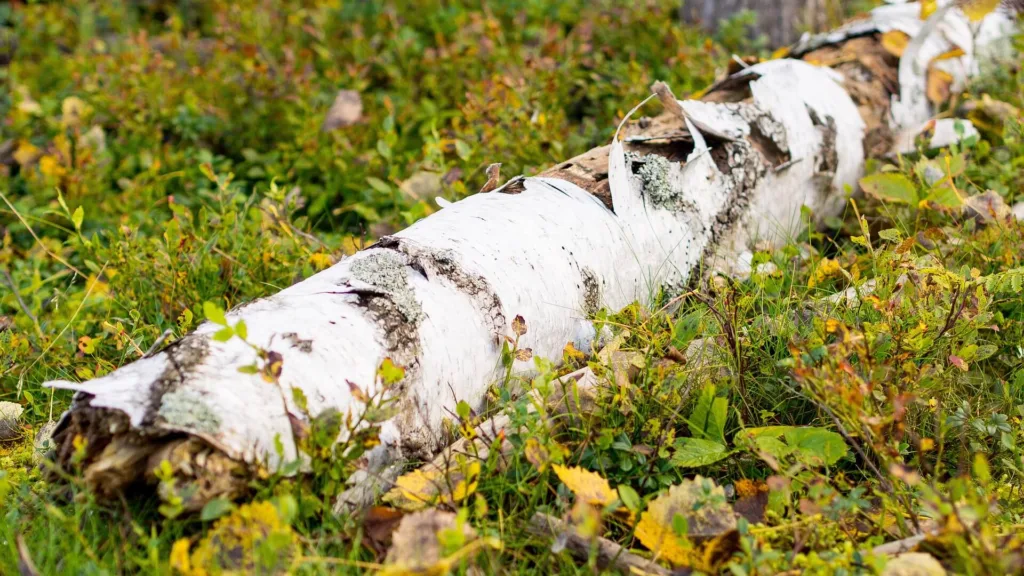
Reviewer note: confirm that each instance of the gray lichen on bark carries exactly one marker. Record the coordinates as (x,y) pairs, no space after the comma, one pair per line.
(186,409)
(388,272)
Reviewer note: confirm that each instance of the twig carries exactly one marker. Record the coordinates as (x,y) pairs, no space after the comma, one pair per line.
(952,317)
(160,340)
(38,241)
(24,307)
(609,554)
(897,547)
(886,485)
(26,567)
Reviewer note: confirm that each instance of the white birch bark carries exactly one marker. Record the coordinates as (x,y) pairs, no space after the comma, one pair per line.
(438,297)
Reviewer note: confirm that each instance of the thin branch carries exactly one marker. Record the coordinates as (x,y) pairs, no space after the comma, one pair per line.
(21,303)
(609,554)
(156,345)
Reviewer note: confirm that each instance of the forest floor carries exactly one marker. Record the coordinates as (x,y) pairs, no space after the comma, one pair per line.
(159,159)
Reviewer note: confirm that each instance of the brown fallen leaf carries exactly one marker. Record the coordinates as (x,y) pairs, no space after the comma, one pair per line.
(939,86)
(751,500)
(379,523)
(416,546)
(493,177)
(346,110)
(987,207)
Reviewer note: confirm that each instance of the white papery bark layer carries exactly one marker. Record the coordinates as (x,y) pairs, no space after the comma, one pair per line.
(439,296)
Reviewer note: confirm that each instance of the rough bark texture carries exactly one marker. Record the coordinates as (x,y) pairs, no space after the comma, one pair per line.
(705,182)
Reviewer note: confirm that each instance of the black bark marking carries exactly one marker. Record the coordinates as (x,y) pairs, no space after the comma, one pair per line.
(303,345)
(443,264)
(827,159)
(183,357)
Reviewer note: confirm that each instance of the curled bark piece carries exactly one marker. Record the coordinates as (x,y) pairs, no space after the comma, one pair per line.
(609,555)
(613,226)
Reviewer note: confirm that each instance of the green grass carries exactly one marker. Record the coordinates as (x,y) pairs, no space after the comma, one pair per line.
(167,154)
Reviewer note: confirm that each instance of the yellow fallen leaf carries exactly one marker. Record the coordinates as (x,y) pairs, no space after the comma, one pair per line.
(827,268)
(320,261)
(708,517)
(587,485)
(26,153)
(253,539)
(179,560)
(536,454)
(895,42)
(781,53)
(928,7)
(418,489)
(954,53)
(976,10)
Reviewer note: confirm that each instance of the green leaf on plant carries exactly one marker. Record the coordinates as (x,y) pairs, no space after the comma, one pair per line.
(215,509)
(809,445)
(214,313)
(242,330)
(389,372)
(694,452)
(890,187)
(709,415)
(630,498)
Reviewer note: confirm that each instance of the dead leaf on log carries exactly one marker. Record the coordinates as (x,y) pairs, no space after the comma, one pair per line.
(940,83)
(895,42)
(493,177)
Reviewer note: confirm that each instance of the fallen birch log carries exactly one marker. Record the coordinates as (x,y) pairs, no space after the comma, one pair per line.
(694,187)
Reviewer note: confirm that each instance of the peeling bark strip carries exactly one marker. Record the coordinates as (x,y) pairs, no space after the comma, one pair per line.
(610,227)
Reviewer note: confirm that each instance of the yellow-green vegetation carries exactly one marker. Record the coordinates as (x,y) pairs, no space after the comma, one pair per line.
(866,383)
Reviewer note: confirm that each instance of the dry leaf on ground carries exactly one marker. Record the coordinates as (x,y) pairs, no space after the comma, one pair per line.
(702,505)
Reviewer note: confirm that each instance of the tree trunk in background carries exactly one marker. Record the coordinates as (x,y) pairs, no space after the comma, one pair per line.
(782,21)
